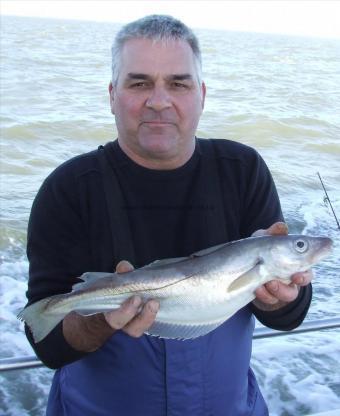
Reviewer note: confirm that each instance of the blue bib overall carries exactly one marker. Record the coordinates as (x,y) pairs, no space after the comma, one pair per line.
(148,376)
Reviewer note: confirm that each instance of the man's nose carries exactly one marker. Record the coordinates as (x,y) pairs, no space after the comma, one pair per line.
(159,99)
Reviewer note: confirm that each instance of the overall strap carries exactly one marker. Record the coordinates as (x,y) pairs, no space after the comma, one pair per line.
(119,222)
(213,192)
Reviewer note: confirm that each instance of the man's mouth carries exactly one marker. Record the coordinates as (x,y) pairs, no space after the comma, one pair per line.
(158,122)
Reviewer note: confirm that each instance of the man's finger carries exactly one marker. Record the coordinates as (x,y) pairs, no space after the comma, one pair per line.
(124,266)
(118,318)
(264,296)
(281,291)
(139,324)
(278,228)
(303,278)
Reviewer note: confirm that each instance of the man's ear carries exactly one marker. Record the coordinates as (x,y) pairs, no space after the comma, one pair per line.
(204,91)
(111,95)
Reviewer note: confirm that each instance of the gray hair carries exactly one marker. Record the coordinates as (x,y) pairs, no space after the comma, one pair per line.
(158,28)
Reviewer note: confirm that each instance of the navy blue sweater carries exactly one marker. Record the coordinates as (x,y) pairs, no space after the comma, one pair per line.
(170,214)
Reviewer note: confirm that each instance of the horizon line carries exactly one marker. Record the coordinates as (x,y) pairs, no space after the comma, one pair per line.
(217,29)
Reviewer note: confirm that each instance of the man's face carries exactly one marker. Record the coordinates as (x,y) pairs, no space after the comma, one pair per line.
(157,101)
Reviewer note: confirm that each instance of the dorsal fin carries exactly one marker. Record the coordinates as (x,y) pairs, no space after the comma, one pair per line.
(209,250)
(89,278)
(163,262)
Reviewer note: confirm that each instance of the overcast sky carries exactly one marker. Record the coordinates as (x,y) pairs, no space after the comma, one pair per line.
(312,18)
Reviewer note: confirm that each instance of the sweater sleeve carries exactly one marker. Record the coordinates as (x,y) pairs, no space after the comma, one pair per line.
(261,206)
(58,252)
(261,209)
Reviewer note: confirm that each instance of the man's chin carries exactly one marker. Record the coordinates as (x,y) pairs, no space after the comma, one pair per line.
(159,146)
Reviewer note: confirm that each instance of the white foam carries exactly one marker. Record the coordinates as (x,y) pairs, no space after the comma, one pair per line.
(12,300)
(17,269)
(297,372)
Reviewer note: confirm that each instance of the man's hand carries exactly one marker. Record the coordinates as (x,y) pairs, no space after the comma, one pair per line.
(132,317)
(88,333)
(275,294)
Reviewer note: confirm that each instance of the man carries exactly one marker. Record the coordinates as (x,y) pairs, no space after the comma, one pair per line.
(156,192)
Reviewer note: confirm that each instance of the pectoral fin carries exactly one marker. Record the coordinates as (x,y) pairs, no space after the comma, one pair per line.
(250,279)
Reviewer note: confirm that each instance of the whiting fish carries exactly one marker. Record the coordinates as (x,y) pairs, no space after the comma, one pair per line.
(196,293)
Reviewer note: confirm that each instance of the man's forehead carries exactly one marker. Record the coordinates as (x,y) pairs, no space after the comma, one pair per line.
(165,43)
(149,57)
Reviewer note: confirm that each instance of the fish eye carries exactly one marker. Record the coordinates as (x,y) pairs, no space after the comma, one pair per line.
(301,245)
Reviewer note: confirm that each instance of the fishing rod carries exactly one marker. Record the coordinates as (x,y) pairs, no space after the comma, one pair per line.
(326,199)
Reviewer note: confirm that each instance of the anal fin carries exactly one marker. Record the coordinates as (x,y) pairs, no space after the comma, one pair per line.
(182,331)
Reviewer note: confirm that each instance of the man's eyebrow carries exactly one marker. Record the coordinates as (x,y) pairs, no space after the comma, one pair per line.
(136,75)
(179,77)
(174,77)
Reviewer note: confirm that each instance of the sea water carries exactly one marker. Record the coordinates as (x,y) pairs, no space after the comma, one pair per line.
(278,94)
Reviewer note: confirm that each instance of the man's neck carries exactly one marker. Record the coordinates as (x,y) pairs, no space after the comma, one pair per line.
(159,162)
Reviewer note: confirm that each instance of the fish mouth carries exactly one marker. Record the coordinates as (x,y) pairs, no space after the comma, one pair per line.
(326,246)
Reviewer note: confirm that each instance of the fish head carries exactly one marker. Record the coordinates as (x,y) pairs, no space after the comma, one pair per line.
(296,253)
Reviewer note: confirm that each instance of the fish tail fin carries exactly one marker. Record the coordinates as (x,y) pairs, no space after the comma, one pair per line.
(38,320)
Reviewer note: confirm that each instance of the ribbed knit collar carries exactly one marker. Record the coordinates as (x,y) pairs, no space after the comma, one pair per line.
(133,168)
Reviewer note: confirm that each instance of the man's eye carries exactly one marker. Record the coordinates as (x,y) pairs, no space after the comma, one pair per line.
(179,85)
(140,84)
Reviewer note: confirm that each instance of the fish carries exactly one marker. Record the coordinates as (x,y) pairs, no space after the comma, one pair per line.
(196,293)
